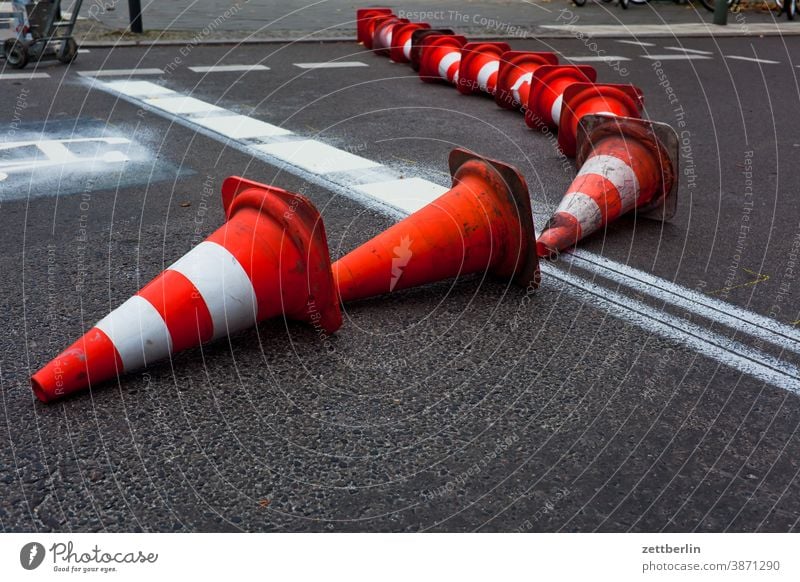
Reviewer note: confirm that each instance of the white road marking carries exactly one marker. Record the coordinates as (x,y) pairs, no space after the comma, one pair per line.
(753,60)
(316,157)
(228,68)
(22,76)
(181,105)
(689,29)
(596,58)
(139,88)
(241,127)
(685,57)
(331,65)
(637,43)
(83,51)
(408,194)
(687,50)
(120,72)
(711,344)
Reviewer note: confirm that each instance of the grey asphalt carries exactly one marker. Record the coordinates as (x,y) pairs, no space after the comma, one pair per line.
(455,407)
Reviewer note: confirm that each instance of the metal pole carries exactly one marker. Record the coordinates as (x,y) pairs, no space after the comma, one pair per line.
(721,12)
(135,9)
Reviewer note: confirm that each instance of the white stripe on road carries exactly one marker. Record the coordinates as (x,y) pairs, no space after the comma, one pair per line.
(331,65)
(181,105)
(241,127)
(675,57)
(596,58)
(228,68)
(22,76)
(409,194)
(138,332)
(620,174)
(753,60)
(223,285)
(726,352)
(687,50)
(139,88)
(120,72)
(636,42)
(316,157)
(485,74)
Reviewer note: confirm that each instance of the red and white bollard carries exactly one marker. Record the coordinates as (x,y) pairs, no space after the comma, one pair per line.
(514,76)
(440,58)
(626,164)
(480,62)
(594,98)
(547,91)
(400,52)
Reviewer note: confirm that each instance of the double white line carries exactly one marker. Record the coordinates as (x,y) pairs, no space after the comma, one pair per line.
(383,189)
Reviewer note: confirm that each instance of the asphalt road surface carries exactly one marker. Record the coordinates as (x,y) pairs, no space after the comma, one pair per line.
(650,384)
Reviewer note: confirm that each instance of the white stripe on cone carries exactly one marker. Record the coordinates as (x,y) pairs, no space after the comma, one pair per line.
(555,110)
(223,284)
(407,49)
(526,78)
(585,210)
(485,73)
(447,61)
(618,173)
(138,333)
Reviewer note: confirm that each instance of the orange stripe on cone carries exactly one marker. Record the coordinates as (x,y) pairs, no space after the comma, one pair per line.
(269,258)
(594,98)
(365,25)
(514,76)
(483,224)
(547,88)
(625,164)
(480,62)
(440,57)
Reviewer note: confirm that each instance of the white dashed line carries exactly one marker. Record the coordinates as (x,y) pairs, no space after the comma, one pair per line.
(241,127)
(228,68)
(120,72)
(752,60)
(383,189)
(596,58)
(22,76)
(180,105)
(331,65)
(637,43)
(687,50)
(676,57)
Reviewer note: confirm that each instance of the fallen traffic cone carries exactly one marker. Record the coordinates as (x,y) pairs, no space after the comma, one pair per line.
(365,25)
(382,37)
(400,52)
(480,62)
(440,57)
(416,43)
(594,98)
(625,164)
(270,257)
(514,76)
(484,223)
(547,91)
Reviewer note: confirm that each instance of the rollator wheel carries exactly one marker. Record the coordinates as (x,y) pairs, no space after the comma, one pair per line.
(16,53)
(67,53)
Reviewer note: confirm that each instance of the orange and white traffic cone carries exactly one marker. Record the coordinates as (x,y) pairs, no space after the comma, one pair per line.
(382,36)
(480,62)
(440,57)
(514,76)
(594,98)
(625,164)
(483,224)
(365,26)
(400,52)
(547,91)
(269,258)
(417,38)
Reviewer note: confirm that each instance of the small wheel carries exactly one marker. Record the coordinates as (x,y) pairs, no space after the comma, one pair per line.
(624,4)
(68,51)
(16,53)
(579,2)
(607,1)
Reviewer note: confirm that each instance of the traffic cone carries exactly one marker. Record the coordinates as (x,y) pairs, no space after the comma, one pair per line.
(382,37)
(594,98)
(270,257)
(400,52)
(416,43)
(484,223)
(365,25)
(547,91)
(480,62)
(625,164)
(440,56)
(514,76)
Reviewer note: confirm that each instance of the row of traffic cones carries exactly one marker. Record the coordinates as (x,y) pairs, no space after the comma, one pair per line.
(625,163)
(271,258)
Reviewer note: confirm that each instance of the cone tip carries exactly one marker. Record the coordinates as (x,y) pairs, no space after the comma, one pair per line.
(39,390)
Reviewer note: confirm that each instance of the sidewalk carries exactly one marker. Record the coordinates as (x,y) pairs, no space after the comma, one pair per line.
(210,20)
